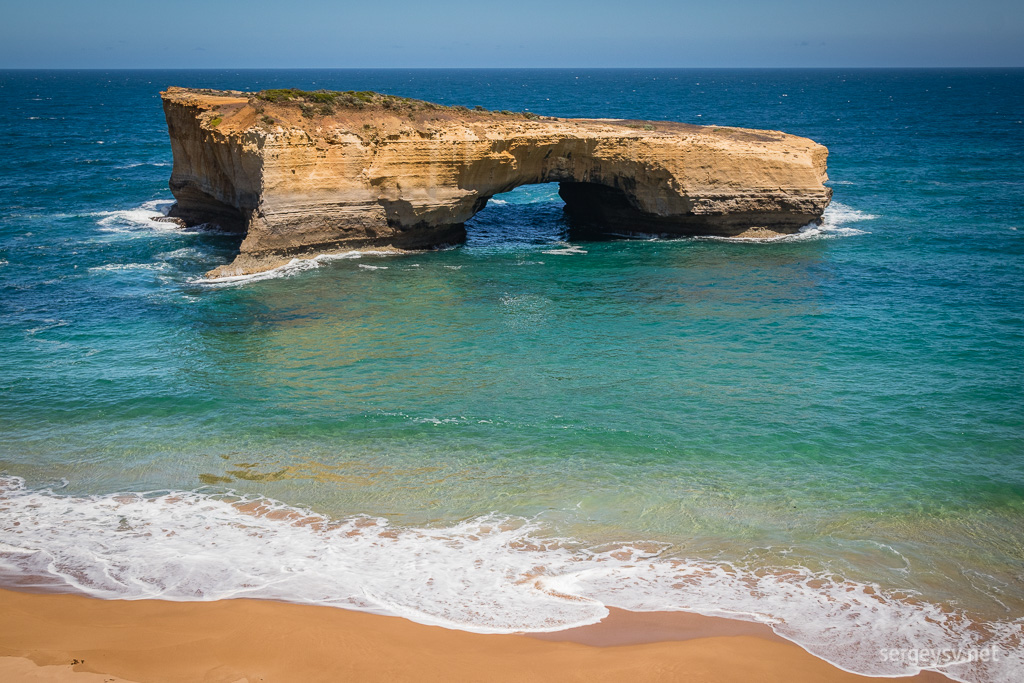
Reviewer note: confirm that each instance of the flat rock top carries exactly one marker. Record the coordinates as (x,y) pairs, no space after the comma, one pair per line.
(376,116)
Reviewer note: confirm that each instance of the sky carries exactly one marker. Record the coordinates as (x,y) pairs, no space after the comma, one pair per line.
(121,34)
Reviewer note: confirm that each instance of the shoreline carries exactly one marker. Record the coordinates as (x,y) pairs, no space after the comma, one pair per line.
(261,640)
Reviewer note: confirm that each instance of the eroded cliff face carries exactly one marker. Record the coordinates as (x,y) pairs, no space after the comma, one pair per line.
(300,179)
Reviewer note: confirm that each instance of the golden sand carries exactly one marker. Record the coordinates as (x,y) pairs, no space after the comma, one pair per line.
(84,640)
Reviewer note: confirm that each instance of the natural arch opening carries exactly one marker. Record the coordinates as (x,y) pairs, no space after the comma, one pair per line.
(527,215)
(546,212)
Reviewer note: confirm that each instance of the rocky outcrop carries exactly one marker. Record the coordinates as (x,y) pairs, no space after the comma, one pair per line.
(301,174)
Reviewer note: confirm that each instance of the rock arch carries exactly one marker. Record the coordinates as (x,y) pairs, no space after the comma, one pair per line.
(374,176)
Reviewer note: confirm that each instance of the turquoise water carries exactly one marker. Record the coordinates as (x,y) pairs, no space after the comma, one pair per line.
(822,432)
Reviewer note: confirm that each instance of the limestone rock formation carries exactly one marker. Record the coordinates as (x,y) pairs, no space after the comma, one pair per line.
(301,174)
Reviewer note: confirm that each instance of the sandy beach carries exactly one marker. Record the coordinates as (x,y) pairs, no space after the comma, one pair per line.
(45,637)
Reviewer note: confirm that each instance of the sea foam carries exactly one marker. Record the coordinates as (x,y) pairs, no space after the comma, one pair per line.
(294,267)
(115,267)
(139,218)
(138,222)
(834,223)
(492,574)
(565,250)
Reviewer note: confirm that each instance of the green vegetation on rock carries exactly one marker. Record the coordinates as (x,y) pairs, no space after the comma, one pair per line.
(325,102)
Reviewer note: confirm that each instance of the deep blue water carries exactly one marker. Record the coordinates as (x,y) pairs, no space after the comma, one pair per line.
(821,415)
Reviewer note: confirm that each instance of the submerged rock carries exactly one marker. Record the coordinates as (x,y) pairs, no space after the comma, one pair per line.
(300,174)
(180,222)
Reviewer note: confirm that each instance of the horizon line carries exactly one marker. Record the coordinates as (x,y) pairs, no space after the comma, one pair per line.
(500,68)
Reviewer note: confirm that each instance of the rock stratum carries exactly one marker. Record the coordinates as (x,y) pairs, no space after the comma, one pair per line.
(300,174)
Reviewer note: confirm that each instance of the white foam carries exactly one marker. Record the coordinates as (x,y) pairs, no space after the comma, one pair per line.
(493,574)
(566,250)
(426,420)
(833,224)
(114,267)
(841,213)
(138,219)
(529,194)
(293,267)
(183,254)
(142,163)
(367,266)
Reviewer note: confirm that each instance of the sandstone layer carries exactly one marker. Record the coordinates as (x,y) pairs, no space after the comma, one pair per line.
(300,174)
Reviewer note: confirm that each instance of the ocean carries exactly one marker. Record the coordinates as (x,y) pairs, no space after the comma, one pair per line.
(822,432)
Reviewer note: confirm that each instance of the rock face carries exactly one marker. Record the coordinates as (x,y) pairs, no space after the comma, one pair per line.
(301,174)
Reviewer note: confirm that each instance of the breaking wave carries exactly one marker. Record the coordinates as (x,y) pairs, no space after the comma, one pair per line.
(139,218)
(138,222)
(294,267)
(492,574)
(115,267)
(834,223)
(565,249)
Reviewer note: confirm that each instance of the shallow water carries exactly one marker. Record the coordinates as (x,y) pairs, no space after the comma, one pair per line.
(822,432)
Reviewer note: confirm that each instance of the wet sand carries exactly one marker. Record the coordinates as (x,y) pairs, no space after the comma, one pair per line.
(47,637)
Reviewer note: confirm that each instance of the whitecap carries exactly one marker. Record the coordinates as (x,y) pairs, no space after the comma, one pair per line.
(542,193)
(369,267)
(833,224)
(839,214)
(183,254)
(142,163)
(566,250)
(293,267)
(129,266)
(137,219)
(438,420)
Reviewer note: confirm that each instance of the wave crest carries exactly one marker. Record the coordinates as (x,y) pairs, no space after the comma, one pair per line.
(493,574)
(296,266)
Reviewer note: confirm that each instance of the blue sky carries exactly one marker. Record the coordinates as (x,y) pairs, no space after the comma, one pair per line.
(521,33)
